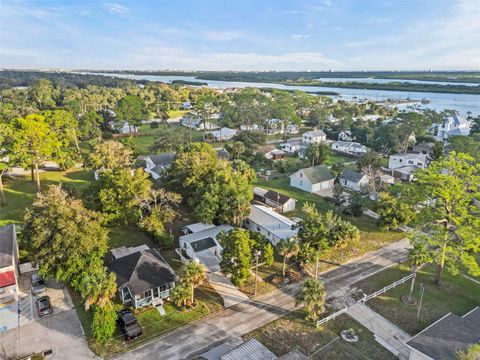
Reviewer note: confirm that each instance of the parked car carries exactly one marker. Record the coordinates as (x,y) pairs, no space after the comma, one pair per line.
(129,324)
(38,284)
(44,306)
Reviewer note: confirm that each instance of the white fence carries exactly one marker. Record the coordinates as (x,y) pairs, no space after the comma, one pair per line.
(386,288)
(332,316)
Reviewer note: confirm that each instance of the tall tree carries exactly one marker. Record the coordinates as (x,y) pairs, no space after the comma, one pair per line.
(131,109)
(236,255)
(418,255)
(43,94)
(450,187)
(109,155)
(98,287)
(392,212)
(63,237)
(193,275)
(287,248)
(312,296)
(318,153)
(34,142)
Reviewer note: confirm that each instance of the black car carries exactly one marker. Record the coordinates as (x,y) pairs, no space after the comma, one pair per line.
(129,324)
(44,307)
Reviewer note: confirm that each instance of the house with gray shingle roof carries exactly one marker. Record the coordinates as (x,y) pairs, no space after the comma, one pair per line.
(353,180)
(155,165)
(313,179)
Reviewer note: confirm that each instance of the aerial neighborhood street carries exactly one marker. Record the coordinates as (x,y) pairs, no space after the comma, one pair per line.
(246,182)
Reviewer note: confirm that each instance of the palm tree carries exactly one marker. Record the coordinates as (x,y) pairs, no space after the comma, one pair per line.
(418,255)
(312,297)
(98,287)
(180,294)
(287,248)
(193,276)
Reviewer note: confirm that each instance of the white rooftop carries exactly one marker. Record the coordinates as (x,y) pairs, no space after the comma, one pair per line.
(279,225)
(211,232)
(193,228)
(123,251)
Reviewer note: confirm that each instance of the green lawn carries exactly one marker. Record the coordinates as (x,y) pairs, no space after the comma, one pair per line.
(20,191)
(456,294)
(152,323)
(293,332)
(177,113)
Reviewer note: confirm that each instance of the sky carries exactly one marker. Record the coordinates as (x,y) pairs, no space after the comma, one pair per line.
(241,35)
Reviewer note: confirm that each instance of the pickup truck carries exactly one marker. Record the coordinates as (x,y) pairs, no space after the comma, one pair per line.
(129,324)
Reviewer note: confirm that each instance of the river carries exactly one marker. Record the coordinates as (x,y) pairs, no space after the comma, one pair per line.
(463,103)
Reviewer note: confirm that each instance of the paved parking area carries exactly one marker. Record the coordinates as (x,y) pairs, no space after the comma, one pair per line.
(60,331)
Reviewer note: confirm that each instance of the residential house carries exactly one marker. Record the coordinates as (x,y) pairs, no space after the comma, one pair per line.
(293,146)
(123,127)
(272,225)
(223,154)
(186,106)
(292,129)
(251,349)
(406,173)
(253,127)
(201,245)
(274,126)
(155,165)
(197,123)
(271,153)
(279,202)
(353,180)
(9,316)
(409,159)
(314,137)
(143,275)
(454,125)
(314,179)
(446,337)
(350,148)
(423,148)
(223,134)
(346,136)
(332,119)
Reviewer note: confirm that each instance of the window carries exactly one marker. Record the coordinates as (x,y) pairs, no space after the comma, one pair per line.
(301,174)
(410,161)
(185,245)
(164,287)
(258,228)
(155,292)
(400,160)
(147,293)
(301,183)
(419,164)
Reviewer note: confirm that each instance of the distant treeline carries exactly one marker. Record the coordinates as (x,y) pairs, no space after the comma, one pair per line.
(280,76)
(13,78)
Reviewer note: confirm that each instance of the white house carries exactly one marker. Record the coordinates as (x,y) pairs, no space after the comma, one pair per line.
(292,146)
(353,180)
(349,147)
(314,137)
(401,160)
(314,179)
(272,225)
(124,127)
(224,134)
(202,245)
(197,123)
(275,126)
(253,127)
(156,165)
(451,126)
(292,129)
(9,289)
(332,119)
(346,136)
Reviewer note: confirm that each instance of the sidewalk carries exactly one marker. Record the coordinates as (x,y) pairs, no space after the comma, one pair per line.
(223,286)
(387,334)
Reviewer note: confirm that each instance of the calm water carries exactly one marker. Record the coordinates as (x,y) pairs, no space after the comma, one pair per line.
(460,102)
(385,81)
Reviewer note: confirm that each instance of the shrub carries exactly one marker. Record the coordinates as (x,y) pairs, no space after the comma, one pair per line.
(104,322)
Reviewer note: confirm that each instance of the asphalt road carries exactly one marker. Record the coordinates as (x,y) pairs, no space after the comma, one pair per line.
(195,339)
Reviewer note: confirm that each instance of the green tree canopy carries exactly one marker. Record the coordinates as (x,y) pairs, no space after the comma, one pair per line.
(236,255)
(131,108)
(312,296)
(109,155)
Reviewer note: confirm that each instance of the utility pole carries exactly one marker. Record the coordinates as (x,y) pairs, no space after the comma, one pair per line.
(422,290)
(257,254)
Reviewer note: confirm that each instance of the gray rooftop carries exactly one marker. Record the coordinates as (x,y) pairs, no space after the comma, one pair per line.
(279,225)
(164,159)
(317,174)
(7,245)
(452,333)
(315,133)
(249,350)
(351,175)
(206,233)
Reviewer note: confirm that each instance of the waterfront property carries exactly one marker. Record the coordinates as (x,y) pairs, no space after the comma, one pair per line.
(451,126)
(143,275)
(272,225)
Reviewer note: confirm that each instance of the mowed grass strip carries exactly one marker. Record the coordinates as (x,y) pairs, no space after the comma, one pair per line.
(455,294)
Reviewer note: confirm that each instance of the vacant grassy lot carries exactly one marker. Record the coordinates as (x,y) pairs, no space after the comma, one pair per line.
(456,294)
(20,191)
(294,332)
(152,323)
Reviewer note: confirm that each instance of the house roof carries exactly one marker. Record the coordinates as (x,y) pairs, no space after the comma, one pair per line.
(203,244)
(223,154)
(452,333)
(165,159)
(122,251)
(315,133)
(7,278)
(455,119)
(199,227)
(249,350)
(317,174)
(279,225)
(276,196)
(259,191)
(266,149)
(142,270)
(7,245)
(351,175)
(206,233)
(408,156)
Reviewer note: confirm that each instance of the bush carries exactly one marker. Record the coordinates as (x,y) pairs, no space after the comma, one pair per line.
(154,125)
(104,322)
(107,135)
(166,240)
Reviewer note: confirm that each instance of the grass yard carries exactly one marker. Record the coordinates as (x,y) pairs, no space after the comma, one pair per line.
(20,191)
(177,113)
(293,332)
(153,324)
(456,294)
(265,275)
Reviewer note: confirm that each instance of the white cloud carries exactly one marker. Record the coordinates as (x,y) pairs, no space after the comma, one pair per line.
(300,36)
(223,35)
(116,8)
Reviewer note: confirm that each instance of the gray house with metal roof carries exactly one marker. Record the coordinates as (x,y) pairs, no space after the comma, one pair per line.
(315,179)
